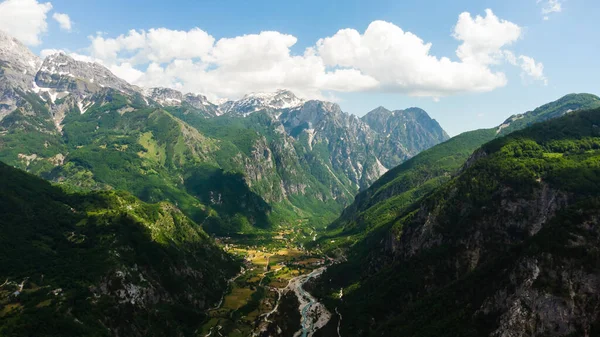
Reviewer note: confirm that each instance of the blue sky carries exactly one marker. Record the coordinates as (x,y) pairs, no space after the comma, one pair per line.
(564,41)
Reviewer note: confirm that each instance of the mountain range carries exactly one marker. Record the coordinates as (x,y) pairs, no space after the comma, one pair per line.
(76,122)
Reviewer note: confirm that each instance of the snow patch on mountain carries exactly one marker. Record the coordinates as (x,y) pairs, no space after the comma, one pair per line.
(59,69)
(250,103)
(172,97)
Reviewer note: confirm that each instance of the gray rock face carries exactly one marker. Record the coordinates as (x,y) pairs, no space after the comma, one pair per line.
(165,96)
(17,58)
(18,66)
(349,141)
(512,215)
(281,99)
(526,307)
(363,148)
(65,74)
(411,130)
(172,97)
(199,102)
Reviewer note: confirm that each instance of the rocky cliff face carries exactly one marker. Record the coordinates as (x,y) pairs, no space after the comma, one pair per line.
(64,74)
(281,99)
(411,130)
(170,97)
(18,63)
(18,66)
(346,140)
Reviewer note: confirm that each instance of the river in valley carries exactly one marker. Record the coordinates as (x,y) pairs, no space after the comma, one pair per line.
(314,314)
(268,298)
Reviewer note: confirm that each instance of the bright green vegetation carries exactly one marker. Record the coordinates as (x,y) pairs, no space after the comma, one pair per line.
(120,143)
(92,263)
(473,239)
(226,173)
(551,110)
(398,189)
(255,136)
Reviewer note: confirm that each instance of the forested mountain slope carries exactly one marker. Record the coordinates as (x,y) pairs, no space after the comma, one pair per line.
(101,263)
(507,247)
(396,190)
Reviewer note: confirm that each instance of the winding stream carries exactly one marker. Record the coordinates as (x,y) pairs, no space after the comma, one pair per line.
(314,314)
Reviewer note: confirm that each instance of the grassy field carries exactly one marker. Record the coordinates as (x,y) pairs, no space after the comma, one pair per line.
(237,298)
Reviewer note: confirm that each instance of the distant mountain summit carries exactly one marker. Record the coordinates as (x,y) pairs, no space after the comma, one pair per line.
(280,99)
(63,73)
(18,66)
(17,57)
(411,129)
(172,98)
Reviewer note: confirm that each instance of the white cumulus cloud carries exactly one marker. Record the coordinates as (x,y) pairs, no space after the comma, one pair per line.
(382,58)
(155,45)
(24,19)
(484,37)
(401,61)
(63,20)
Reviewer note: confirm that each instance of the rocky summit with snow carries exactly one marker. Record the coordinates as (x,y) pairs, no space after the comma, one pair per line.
(63,73)
(280,99)
(16,57)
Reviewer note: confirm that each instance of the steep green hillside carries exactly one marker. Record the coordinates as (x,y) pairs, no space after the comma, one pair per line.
(101,264)
(405,184)
(400,187)
(548,111)
(500,249)
(124,144)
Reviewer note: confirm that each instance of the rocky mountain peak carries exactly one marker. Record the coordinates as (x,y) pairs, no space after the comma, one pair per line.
(18,64)
(198,101)
(314,112)
(164,96)
(414,111)
(172,97)
(324,105)
(17,56)
(379,111)
(62,72)
(280,99)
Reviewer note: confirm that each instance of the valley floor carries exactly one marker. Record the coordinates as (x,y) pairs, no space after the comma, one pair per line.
(267,297)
